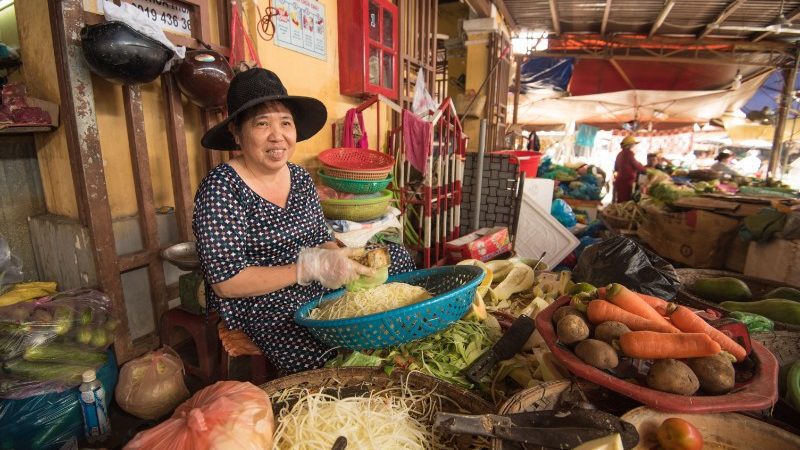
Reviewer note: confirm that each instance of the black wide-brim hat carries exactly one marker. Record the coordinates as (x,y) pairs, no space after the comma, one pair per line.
(255,86)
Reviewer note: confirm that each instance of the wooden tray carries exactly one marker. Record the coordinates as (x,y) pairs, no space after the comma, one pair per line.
(757,286)
(726,431)
(760,393)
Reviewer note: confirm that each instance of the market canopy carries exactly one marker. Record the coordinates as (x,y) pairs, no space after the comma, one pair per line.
(613,109)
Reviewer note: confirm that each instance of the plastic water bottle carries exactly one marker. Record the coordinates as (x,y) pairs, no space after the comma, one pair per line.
(93,406)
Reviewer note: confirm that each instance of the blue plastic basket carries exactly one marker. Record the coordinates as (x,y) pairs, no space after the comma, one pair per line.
(452,288)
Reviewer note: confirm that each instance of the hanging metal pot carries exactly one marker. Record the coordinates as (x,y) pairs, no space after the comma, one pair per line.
(204,77)
(117,52)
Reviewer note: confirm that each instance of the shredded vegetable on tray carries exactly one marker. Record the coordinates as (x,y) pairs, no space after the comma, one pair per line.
(370,301)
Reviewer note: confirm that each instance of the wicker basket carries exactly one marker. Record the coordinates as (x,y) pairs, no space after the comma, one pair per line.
(352,381)
(785,345)
(356,210)
(359,175)
(619,223)
(354,186)
(758,287)
(452,287)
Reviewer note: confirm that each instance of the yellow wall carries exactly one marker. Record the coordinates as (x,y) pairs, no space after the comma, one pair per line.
(302,75)
(8,27)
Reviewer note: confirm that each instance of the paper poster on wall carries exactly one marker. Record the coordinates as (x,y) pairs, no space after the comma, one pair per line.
(300,26)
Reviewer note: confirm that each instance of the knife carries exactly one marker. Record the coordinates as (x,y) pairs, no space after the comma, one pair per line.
(558,429)
(508,345)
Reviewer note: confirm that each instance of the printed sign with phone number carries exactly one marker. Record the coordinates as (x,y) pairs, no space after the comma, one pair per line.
(170,15)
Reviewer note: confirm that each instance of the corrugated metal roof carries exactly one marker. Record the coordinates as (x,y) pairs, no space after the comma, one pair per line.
(686,17)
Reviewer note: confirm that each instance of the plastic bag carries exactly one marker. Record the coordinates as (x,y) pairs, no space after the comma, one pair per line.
(10,266)
(48,421)
(152,385)
(423,104)
(225,415)
(563,212)
(46,344)
(621,260)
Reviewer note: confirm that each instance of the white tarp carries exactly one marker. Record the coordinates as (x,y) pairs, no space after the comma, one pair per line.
(637,104)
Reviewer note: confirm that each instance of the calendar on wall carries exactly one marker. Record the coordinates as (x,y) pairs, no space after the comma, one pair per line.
(300,26)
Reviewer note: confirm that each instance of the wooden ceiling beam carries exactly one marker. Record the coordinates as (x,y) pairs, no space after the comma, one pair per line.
(606,13)
(482,7)
(794,15)
(662,16)
(501,6)
(554,17)
(621,73)
(723,16)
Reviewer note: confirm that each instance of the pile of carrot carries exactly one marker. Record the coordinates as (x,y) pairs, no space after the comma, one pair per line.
(660,329)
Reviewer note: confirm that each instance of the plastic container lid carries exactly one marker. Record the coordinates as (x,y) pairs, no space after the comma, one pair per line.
(89,376)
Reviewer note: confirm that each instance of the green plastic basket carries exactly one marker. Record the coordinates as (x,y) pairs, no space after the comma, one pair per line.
(354,186)
(356,210)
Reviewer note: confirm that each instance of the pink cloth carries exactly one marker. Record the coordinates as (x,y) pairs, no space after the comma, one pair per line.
(417,135)
(347,130)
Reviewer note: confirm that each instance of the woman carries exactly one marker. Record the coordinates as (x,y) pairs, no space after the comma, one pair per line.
(261,236)
(625,169)
(724,164)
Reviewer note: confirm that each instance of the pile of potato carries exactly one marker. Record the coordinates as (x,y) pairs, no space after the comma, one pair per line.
(596,345)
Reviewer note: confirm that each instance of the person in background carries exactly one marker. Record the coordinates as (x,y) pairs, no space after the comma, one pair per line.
(652,160)
(625,169)
(724,164)
(534,145)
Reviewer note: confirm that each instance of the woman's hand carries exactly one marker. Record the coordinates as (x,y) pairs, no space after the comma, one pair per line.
(332,268)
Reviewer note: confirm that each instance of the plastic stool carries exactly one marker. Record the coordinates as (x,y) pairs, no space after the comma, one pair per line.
(202,333)
(234,344)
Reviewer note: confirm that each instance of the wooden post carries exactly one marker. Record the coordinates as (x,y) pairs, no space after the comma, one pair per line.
(517,87)
(789,76)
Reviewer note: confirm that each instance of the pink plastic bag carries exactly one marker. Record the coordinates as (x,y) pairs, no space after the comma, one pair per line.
(225,415)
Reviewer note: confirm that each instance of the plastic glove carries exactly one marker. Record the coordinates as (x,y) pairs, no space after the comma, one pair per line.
(332,268)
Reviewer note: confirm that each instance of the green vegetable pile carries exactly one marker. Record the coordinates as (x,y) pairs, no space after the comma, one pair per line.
(442,355)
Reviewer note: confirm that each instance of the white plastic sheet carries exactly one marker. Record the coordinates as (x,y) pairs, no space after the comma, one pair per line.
(137,19)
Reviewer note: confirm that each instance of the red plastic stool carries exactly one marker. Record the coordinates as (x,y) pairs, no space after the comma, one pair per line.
(203,335)
(234,344)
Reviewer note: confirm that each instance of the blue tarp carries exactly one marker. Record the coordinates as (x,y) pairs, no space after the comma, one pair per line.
(769,95)
(546,73)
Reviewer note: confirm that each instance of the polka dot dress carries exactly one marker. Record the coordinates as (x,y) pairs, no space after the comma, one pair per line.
(236,228)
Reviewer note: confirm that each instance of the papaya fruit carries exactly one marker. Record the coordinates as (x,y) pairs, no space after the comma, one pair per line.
(784,292)
(722,289)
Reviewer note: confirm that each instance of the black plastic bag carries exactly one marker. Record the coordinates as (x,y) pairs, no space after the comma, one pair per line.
(621,260)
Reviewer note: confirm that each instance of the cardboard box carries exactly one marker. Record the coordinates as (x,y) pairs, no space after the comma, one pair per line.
(483,244)
(737,254)
(586,207)
(697,238)
(777,260)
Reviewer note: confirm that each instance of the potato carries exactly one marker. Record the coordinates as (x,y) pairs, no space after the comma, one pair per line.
(572,329)
(671,375)
(610,331)
(716,373)
(597,354)
(565,311)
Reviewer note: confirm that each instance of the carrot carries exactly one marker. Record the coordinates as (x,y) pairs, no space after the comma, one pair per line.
(631,302)
(689,322)
(600,311)
(655,345)
(655,302)
(601,293)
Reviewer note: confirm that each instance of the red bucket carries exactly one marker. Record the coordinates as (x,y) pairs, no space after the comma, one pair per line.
(528,161)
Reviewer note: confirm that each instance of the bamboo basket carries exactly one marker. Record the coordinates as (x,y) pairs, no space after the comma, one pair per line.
(758,287)
(354,381)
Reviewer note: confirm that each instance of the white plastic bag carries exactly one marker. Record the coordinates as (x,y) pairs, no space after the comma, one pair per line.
(137,19)
(423,104)
(151,386)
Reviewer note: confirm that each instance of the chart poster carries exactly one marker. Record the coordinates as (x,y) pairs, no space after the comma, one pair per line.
(300,26)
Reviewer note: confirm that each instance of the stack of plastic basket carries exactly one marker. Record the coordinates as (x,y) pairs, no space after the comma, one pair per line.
(359,178)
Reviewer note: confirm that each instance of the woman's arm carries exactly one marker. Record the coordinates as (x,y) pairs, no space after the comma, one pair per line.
(254,280)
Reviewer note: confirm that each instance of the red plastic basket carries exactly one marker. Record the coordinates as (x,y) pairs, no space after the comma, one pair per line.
(356,159)
(528,161)
(761,392)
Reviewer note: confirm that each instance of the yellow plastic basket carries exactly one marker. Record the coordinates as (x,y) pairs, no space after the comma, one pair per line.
(356,210)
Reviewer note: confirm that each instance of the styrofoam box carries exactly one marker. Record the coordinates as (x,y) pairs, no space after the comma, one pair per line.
(539,232)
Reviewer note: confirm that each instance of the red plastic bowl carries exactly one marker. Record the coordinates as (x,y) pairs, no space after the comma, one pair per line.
(356,159)
(528,161)
(760,393)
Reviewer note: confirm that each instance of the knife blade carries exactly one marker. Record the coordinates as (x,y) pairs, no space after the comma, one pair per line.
(508,345)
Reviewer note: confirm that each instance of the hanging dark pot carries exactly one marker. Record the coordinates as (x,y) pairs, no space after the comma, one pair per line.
(204,77)
(117,52)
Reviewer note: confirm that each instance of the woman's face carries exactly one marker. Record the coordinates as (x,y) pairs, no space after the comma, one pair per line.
(267,136)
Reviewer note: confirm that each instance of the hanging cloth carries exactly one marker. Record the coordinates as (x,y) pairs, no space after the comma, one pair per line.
(417,134)
(241,44)
(353,131)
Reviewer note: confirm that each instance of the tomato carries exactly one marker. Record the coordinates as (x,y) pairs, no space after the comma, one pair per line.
(678,434)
